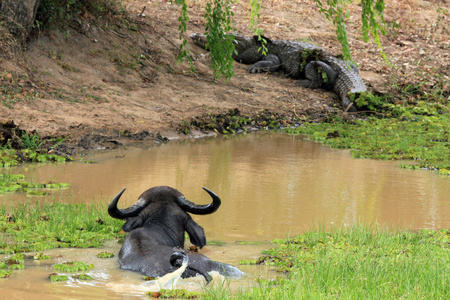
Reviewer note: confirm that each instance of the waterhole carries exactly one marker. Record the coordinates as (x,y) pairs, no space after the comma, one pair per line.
(271,186)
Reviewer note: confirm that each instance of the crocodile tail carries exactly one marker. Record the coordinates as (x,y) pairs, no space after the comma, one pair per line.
(328,70)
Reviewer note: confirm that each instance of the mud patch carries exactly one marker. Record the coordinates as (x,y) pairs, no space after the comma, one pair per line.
(235,122)
(9,132)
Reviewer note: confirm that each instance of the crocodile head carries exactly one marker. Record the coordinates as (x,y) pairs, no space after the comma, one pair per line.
(199,39)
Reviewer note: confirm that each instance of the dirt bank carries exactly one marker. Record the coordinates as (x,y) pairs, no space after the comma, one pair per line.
(114,82)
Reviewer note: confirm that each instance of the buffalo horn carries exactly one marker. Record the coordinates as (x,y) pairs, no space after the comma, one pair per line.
(197,209)
(131,211)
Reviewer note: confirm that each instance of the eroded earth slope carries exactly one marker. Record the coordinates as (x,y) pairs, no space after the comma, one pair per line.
(123,79)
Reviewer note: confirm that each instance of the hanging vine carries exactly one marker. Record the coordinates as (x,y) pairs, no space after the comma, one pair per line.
(255,7)
(183,19)
(218,16)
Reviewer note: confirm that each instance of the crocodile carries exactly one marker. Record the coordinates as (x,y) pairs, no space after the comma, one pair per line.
(313,66)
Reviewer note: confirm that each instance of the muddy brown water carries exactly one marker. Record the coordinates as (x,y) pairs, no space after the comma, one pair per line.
(110,282)
(271,185)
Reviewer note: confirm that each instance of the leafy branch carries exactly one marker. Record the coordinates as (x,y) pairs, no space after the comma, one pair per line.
(218,15)
(372,20)
(183,19)
(254,17)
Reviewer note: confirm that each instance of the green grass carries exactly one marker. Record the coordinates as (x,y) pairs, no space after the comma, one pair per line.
(11,157)
(411,124)
(358,262)
(57,278)
(423,139)
(15,183)
(105,255)
(37,227)
(73,266)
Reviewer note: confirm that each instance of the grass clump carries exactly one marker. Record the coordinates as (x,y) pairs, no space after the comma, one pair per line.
(15,262)
(73,266)
(41,256)
(249,262)
(420,134)
(56,277)
(5,273)
(105,255)
(83,277)
(216,243)
(11,157)
(14,183)
(27,227)
(16,266)
(19,146)
(410,123)
(358,262)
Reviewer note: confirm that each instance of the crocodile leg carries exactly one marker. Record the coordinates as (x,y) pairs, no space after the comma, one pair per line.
(269,63)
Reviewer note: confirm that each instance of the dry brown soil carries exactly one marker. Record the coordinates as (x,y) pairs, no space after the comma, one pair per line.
(114,79)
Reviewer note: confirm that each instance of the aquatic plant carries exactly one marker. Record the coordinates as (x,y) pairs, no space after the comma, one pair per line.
(15,183)
(19,257)
(17,266)
(41,256)
(105,255)
(11,157)
(8,158)
(82,277)
(37,227)
(216,243)
(73,266)
(15,262)
(5,273)
(249,262)
(420,134)
(56,277)
(249,243)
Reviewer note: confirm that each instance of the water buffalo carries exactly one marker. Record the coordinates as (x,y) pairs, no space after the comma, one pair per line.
(156,224)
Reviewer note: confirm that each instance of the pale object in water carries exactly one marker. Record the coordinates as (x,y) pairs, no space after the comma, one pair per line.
(169,281)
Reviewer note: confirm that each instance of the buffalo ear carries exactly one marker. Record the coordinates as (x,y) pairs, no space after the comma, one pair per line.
(196,233)
(132,223)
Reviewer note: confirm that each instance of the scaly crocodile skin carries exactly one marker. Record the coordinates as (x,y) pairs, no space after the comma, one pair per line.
(299,60)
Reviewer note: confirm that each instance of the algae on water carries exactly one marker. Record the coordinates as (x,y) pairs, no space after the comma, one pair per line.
(73,266)
(105,255)
(56,277)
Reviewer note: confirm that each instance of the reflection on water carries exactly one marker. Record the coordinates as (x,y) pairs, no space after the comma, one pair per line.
(271,186)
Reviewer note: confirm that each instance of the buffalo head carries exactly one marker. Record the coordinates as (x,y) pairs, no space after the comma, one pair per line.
(156,224)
